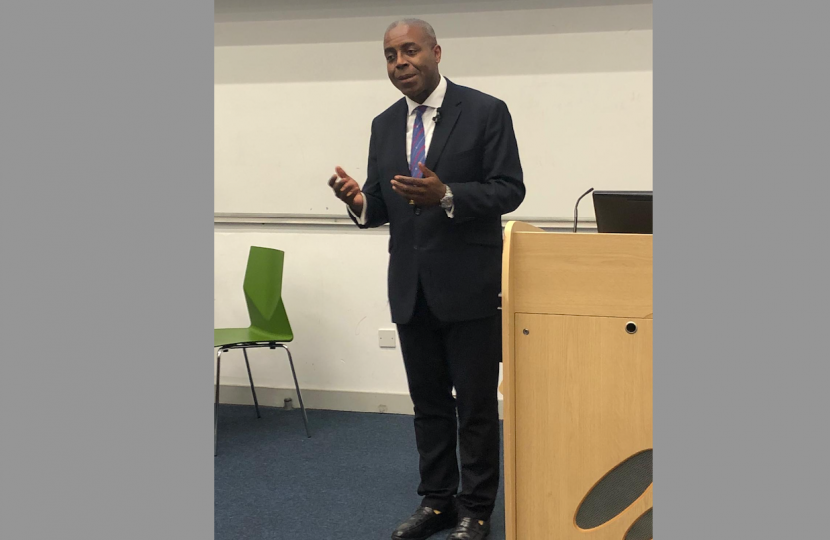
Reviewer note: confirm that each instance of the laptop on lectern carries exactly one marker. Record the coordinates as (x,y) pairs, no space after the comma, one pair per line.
(623,211)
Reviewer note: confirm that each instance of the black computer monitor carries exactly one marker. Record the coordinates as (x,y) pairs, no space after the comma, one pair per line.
(623,211)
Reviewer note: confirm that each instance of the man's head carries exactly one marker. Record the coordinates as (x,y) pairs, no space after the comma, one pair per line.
(412,56)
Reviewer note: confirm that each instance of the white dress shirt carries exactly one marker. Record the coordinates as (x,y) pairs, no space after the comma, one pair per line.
(433,102)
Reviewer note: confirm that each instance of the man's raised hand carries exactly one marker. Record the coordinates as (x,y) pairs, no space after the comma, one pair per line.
(426,191)
(347,190)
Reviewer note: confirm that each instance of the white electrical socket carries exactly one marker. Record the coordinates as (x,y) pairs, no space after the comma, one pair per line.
(386,339)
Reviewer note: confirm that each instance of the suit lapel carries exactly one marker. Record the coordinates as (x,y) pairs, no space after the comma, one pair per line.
(450,111)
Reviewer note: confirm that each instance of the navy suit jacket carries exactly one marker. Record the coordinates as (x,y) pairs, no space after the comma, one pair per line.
(457,260)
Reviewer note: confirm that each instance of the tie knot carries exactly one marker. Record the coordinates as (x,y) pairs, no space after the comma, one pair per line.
(420,110)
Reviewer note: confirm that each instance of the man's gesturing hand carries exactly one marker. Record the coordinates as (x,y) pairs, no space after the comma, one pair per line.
(347,190)
(426,191)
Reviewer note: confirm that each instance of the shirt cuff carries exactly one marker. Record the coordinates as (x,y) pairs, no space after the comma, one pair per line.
(361,219)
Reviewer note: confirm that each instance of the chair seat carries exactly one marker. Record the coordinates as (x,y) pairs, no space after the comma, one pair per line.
(232,336)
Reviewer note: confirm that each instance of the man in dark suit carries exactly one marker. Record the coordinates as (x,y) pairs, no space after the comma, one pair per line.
(443,168)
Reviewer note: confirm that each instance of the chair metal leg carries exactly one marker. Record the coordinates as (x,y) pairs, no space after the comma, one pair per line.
(299,394)
(250,378)
(216,403)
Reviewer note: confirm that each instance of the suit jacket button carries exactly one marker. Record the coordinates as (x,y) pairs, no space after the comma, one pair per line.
(417,211)
(415,247)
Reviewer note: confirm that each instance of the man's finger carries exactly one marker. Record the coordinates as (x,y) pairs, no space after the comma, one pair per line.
(332,180)
(400,189)
(407,191)
(340,183)
(426,172)
(410,181)
(340,172)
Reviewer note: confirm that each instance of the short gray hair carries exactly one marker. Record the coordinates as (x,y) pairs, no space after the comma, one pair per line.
(425,26)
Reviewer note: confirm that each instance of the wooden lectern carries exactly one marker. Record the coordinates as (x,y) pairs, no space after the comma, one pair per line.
(577,328)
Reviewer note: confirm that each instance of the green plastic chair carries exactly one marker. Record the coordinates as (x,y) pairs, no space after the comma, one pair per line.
(269,322)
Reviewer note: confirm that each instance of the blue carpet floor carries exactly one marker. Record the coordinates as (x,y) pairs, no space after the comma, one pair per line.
(355,479)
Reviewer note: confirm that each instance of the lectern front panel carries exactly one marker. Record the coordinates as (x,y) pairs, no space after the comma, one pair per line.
(583,425)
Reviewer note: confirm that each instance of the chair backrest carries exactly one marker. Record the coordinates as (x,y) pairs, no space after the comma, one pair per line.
(263,290)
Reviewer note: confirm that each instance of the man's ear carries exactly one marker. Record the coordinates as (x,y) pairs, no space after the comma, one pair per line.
(437,52)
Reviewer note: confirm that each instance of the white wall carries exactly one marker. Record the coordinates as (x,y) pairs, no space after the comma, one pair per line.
(334,291)
(595,63)
(577,82)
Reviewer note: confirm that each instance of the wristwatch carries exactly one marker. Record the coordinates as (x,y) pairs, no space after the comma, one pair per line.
(446,201)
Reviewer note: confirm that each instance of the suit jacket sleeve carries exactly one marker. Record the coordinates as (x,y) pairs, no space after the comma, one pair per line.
(376,214)
(501,190)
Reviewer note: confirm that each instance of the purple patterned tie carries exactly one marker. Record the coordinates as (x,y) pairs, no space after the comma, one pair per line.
(418,151)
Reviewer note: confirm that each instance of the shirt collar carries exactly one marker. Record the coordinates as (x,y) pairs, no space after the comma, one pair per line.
(435,99)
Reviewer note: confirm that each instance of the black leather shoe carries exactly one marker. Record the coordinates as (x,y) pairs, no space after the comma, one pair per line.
(424,523)
(470,529)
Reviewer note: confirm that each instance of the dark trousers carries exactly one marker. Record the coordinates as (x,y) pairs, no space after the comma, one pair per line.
(465,355)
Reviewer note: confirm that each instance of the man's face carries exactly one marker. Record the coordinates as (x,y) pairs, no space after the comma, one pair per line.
(412,61)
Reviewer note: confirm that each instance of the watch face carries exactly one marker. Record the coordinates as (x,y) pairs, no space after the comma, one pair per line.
(446,201)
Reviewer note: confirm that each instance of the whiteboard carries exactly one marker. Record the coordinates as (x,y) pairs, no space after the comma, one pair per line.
(276,144)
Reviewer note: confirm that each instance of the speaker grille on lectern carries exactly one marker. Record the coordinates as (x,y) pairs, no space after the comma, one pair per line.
(615,492)
(642,528)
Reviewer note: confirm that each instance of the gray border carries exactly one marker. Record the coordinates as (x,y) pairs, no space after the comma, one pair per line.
(107,257)
(105,229)
(741,140)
